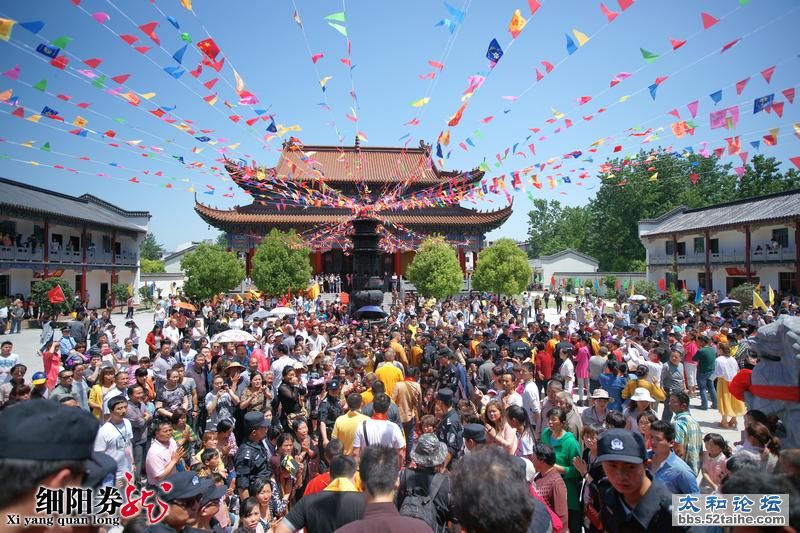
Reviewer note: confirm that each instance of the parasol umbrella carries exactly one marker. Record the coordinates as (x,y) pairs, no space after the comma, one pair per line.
(187,306)
(233,335)
(729,301)
(370,312)
(638,298)
(281,312)
(261,313)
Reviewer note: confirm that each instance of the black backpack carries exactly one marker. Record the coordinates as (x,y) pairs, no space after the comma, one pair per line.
(420,506)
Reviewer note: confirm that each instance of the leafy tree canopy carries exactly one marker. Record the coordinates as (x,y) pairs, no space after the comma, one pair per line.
(121,292)
(210,270)
(150,248)
(435,271)
(39,295)
(281,264)
(607,227)
(502,268)
(151,266)
(743,293)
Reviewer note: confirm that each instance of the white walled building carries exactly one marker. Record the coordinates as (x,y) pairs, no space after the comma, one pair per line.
(546,267)
(89,242)
(171,281)
(721,246)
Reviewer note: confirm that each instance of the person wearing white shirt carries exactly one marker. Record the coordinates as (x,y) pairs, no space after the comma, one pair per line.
(186,355)
(172,332)
(236,322)
(159,315)
(378,430)
(115,439)
(509,395)
(530,393)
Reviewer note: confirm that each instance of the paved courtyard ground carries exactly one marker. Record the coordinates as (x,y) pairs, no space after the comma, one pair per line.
(25,344)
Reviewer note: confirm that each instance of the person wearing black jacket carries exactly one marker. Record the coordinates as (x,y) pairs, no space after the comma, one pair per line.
(290,396)
(426,473)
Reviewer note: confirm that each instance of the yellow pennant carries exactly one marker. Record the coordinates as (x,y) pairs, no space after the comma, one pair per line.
(581,37)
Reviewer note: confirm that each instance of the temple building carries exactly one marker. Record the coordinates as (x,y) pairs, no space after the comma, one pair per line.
(318,190)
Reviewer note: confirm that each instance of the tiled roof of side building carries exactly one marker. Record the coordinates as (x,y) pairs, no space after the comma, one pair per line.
(760,209)
(17,197)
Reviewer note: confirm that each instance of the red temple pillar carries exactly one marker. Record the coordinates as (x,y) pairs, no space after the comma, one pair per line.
(82,288)
(397,263)
(747,251)
(318,266)
(248,261)
(462,260)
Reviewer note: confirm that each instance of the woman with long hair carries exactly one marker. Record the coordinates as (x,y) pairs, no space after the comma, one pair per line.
(519,420)
(761,445)
(645,424)
(153,340)
(272,507)
(498,430)
(250,517)
(725,369)
(566,448)
(255,397)
(105,383)
(590,470)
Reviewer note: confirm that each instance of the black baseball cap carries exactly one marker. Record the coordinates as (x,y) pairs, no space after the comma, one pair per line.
(184,485)
(475,432)
(621,445)
(253,420)
(214,492)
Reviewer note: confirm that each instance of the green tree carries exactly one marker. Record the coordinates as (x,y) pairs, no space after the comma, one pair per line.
(611,284)
(570,284)
(502,269)
(121,292)
(553,228)
(435,270)
(677,299)
(743,293)
(281,264)
(222,241)
(151,266)
(39,295)
(647,289)
(150,248)
(145,295)
(210,270)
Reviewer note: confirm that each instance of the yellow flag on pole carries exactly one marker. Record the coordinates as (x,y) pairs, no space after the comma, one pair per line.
(771,296)
(758,303)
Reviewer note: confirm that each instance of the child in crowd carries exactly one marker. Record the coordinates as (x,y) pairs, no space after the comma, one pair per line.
(428,424)
(714,459)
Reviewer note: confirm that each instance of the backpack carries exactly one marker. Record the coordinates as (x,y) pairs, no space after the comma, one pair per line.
(419,506)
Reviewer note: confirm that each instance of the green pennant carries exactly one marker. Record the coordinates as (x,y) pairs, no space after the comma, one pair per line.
(46,147)
(61,42)
(185,37)
(119,120)
(41,86)
(338,17)
(338,27)
(99,82)
(478,134)
(648,56)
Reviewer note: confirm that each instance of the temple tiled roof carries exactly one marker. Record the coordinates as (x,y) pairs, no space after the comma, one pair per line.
(453,216)
(354,164)
(760,209)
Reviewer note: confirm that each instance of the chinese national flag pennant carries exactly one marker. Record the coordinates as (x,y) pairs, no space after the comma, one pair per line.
(56,295)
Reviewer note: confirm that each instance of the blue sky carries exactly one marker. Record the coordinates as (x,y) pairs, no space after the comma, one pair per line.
(392,43)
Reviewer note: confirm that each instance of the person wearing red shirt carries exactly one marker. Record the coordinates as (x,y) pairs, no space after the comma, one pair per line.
(320,481)
(544,368)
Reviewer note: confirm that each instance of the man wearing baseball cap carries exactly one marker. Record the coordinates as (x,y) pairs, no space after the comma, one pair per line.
(449,430)
(634,501)
(50,446)
(251,459)
(184,499)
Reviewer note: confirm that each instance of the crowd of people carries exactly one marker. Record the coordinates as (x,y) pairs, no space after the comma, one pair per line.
(472,414)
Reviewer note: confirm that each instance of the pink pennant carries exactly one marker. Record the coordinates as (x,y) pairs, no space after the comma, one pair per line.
(743,156)
(795,161)
(625,4)
(142,49)
(567,123)
(130,39)
(412,122)
(101,17)
(196,73)
(539,75)
(740,85)
(730,45)
(614,82)
(534,6)
(739,170)
(436,64)
(149,29)
(767,73)
(548,67)
(84,105)
(692,106)
(778,107)
(708,20)
(675,113)
(346,61)
(210,84)
(789,94)
(584,99)
(93,63)
(134,180)
(677,43)
(610,15)
(317,57)
(588,117)
(13,74)
(661,79)
(428,76)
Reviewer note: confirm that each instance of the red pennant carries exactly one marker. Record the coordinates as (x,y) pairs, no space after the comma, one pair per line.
(235,118)
(110,133)
(134,180)
(534,6)
(740,85)
(210,84)
(60,62)
(56,295)
(197,71)
(209,48)
(694,178)
(93,62)
(210,98)
(317,57)
(675,113)
(610,15)
(149,29)
(614,82)
(770,140)
(730,45)
(548,66)
(130,39)
(142,49)
(662,284)
(216,65)
(158,112)
(795,161)
(625,4)
(661,79)
(778,107)
(708,20)
(583,99)
(618,148)
(767,73)
(64,97)
(676,43)
(122,78)
(789,94)
(19,112)
(539,75)
(719,152)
